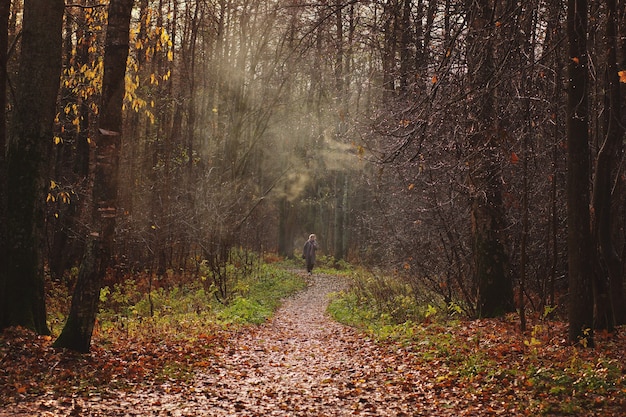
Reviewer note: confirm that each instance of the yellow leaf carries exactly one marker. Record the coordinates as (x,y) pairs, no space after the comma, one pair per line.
(164,37)
(576,60)
(57,140)
(411,186)
(434,79)
(53,185)
(622,76)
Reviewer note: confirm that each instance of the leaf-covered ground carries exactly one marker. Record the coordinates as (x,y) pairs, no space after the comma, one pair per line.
(304,364)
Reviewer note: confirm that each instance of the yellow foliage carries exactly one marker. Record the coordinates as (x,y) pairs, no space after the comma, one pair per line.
(65,197)
(151,116)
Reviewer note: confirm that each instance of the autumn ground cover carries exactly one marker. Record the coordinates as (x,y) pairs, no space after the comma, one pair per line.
(304,363)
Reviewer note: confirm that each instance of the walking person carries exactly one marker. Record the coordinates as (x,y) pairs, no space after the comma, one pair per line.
(308,253)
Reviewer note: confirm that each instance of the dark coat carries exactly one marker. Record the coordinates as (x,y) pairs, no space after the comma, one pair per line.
(308,253)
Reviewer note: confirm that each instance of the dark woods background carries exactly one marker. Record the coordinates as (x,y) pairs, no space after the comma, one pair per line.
(425,137)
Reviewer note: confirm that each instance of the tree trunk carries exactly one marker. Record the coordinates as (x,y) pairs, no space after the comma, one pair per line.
(609,294)
(4,41)
(72,156)
(491,262)
(76,334)
(390,15)
(580,261)
(407,72)
(554,34)
(27,154)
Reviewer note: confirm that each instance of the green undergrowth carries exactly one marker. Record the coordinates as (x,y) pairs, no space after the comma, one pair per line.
(261,298)
(386,307)
(149,329)
(252,300)
(535,370)
(324,264)
(184,318)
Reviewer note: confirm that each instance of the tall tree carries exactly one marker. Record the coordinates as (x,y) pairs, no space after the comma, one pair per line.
(608,291)
(491,263)
(29,144)
(580,263)
(72,151)
(5,9)
(76,334)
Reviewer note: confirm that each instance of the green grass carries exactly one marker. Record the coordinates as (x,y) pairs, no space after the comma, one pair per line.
(262,296)
(182,322)
(254,299)
(487,357)
(383,306)
(185,307)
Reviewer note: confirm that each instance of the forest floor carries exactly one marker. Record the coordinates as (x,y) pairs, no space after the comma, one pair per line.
(301,363)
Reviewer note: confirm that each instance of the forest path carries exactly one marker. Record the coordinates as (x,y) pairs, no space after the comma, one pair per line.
(301,363)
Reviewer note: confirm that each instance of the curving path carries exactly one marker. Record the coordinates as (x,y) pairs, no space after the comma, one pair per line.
(302,363)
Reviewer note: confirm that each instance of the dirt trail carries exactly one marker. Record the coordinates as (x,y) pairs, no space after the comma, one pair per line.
(302,363)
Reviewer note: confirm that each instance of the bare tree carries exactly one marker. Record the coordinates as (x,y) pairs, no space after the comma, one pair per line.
(491,263)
